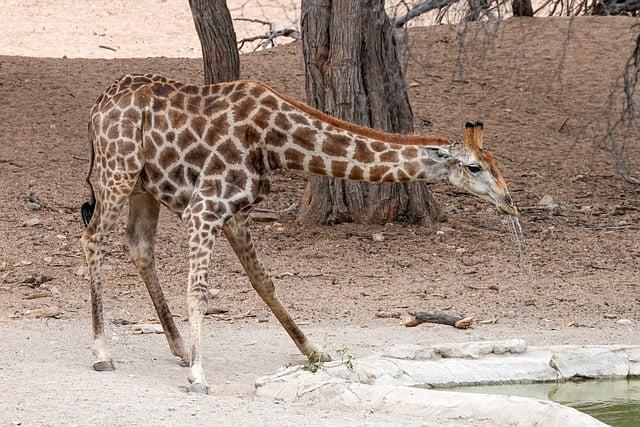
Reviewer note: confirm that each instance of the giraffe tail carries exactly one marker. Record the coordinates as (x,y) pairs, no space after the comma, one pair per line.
(87,208)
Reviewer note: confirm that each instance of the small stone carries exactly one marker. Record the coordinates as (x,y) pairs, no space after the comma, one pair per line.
(38,293)
(547,202)
(216,310)
(609,316)
(31,222)
(623,322)
(146,328)
(61,237)
(47,259)
(32,206)
(461,250)
(46,312)
(214,293)
(377,237)
(384,314)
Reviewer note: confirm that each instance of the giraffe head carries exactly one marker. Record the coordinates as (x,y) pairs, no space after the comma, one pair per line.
(474,170)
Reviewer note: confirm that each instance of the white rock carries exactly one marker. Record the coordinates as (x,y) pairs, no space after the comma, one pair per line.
(377,237)
(31,222)
(146,328)
(623,322)
(32,206)
(590,362)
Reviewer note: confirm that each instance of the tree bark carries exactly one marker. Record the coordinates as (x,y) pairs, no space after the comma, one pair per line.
(353,72)
(218,40)
(522,8)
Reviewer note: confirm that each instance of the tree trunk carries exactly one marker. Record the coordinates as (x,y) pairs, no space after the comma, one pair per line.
(353,72)
(522,8)
(218,40)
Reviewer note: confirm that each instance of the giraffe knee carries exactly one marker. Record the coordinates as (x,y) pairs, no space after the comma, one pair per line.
(140,251)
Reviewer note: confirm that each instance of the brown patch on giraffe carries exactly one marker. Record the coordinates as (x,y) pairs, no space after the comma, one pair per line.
(230,152)
(410,152)
(158,104)
(185,139)
(261,118)
(294,158)
(149,150)
(198,124)
(282,121)
(236,177)
(305,138)
(362,153)
(226,88)
(215,166)
(389,177)
(176,175)
(177,118)
(357,173)
(128,132)
(132,115)
(316,165)
(334,147)
(157,138)
(193,104)
(218,128)
(170,137)
(242,110)
(275,138)
(390,156)
(168,156)
(197,156)
(402,176)
(378,146)
(339,169)
(247,135)
(412,168)
(236,96)
(190,89)
(377,172)
(230,190)
(114,116)
(159,122)
(113,131)
(269,101)
(177,100)
(167,187)
(152,172)
(214,105)
(299,118)
(205,90)
(125,101)
(126,148)
(317,124)
(192,176)
(256,90)
(162,89)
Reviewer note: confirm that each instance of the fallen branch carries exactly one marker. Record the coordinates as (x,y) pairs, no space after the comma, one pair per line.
(416,318)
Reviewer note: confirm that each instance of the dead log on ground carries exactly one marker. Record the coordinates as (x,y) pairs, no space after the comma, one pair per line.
(418,317)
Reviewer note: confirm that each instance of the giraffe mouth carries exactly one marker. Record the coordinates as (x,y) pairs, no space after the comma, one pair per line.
(508,206)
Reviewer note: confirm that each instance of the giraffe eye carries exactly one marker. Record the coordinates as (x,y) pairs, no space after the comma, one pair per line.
(474,168)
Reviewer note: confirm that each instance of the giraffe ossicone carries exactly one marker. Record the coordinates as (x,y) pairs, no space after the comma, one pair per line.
(205,152)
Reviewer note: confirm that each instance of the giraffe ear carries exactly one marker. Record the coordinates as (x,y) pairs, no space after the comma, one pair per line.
(469,134)
(478,133)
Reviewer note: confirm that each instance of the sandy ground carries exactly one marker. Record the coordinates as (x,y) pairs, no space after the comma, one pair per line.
(582,270)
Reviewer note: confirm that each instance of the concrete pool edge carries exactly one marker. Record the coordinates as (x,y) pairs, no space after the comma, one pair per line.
(398,381)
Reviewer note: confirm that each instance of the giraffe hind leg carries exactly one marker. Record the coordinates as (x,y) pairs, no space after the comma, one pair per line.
(238,235)
(107,208)
(141,229)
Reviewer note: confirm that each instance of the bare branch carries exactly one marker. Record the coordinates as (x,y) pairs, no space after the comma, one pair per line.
(268,38)
(420,9)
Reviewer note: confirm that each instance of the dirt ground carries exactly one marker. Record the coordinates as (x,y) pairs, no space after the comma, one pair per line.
(540,104)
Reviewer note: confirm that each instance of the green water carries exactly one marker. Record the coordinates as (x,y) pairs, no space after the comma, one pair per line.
(616,403)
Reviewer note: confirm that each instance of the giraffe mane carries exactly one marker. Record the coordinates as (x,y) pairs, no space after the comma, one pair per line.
(409,139)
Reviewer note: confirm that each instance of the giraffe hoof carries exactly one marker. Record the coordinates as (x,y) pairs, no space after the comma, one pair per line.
(183,363)
(198,388)
(104,366)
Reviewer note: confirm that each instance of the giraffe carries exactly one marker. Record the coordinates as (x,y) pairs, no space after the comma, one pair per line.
(205,153)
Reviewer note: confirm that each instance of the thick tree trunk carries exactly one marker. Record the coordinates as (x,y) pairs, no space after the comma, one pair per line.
(218,40)
(353,72)
(522,8)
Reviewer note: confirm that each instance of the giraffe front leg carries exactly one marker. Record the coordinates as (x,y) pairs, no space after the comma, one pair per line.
(240,239)
(203,228)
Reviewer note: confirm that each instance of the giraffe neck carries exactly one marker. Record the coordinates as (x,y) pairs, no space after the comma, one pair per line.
(315,142)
